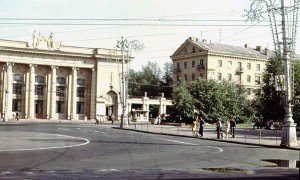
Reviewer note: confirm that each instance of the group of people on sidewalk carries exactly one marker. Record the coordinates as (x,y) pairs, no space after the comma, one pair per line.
(198,127)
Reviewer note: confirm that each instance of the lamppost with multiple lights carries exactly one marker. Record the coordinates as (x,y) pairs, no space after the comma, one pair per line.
(126,47)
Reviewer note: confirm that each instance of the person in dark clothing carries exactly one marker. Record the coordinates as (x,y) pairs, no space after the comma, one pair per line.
(219,128)
(201,124)
(232,127)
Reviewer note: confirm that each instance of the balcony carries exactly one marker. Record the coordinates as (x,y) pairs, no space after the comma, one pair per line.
(200,67)
(240,70)
(177,70)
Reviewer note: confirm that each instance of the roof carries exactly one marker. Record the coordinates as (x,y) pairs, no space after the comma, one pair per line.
(229,49)
(258,52)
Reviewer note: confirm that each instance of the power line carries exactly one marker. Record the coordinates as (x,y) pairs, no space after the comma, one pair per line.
(129,24)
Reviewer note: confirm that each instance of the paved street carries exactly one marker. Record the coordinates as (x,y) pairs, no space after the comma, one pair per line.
(77,150)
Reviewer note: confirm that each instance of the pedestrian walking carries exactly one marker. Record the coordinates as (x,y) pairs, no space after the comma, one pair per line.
(194,127)
(232,127)
(201,124)
(97,121)
(227,127)
(219,128)
(17,116)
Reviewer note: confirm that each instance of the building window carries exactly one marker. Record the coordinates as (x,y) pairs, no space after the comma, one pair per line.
(17,89)
(178,65)
(185,65)
(201,61)
(257,67)
(60,106)
(16,105)
(230,64)
(193,77)
(193,64)
(229,77)
(194,50)
(39,90)
(39,79)
(80,108)
(219,63)
(248,66)
(201,75)
(178,78)
(240,65)
(248,78)
(60,91)
(81,81)
(18,77)
(60,80)
(257,79)
(219,76)
(80,92)
(185,77)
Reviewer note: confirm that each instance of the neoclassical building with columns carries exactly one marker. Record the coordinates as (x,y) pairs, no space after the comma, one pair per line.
(43,79)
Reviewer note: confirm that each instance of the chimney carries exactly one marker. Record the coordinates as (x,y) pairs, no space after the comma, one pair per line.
(246,45)
(267,52)
(204,40)
(258,48)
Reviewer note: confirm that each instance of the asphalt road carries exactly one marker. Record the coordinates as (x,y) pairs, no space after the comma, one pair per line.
(87,151)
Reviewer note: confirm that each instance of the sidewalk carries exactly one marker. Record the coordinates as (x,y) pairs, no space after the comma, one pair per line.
(262,137)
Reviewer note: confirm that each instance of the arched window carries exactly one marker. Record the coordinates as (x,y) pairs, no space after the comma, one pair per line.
(81,81)
(18,77)
(60,80)
(39,79)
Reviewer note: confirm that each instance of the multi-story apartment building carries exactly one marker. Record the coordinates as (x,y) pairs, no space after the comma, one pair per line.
(241,65)
(44,79)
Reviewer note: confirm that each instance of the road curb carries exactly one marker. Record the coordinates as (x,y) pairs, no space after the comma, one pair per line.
(210,139)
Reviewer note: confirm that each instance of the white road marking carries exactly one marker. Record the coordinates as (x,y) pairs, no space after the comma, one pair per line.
(54,147)
(64,129)
(180,142)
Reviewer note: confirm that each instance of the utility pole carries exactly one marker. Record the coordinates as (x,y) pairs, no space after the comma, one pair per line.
(288,134)
(126,46)
(284,44)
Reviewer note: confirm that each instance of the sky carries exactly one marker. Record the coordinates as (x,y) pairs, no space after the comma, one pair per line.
(160,25)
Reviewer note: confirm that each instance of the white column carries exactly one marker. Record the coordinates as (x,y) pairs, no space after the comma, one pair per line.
(74,92)
(31,91)
(93,94)
(8,92)
(53,92)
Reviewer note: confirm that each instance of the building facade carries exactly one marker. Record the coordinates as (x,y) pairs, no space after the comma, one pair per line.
(241,65)
(44,79)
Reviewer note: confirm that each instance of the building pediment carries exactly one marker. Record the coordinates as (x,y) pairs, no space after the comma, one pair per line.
(189,47)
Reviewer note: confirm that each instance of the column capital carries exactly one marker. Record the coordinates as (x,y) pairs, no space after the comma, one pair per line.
(33,65)
(75,68)
(54,67)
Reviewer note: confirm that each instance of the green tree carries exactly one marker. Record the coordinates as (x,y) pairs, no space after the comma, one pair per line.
(183,102)
(151,79)
(214,99)
(296,108)
(146,80)
(270,103)
(167,80)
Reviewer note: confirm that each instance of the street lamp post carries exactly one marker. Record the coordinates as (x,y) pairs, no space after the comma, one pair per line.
(288,136)
(126,46)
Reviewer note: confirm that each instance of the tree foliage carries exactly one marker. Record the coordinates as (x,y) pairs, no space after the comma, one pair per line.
(183,102)
(151,79)
(270,103)
(212,99)
(220,99)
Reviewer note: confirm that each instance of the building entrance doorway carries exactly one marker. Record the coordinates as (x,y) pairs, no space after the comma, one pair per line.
(39,109)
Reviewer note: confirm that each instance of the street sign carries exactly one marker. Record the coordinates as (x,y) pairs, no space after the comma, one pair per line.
(279,83)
